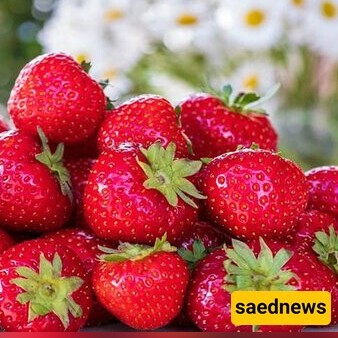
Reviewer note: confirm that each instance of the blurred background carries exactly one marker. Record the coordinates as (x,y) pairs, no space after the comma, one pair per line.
(178,47)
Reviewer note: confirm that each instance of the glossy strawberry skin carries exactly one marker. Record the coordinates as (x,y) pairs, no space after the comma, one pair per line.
(144,294)
(13,315)
(208,302)
(53,92)
(254,193)
(142,120)
(30,196)
(117,206)
(86,246)
(323,189)
(215,129)
(308,223)
(79,169)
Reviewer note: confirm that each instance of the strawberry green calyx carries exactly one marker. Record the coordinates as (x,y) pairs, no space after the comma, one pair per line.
(168,175)
(192,257)
(246,102)
(55,164)
(86,66)
(245,271)
(46,291)
(135,252)
(326,247)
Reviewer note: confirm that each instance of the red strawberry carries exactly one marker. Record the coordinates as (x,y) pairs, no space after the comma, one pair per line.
(33,184)
(193,248)
(46,287)
(308,223)
(53,92)
(142,286)
(312,274)
(326,248)
(86,246)
(79,169)
(219,125)
(3,124)
(323,189)
(137,195)
(254,193)
(209,301)
(142,120)
(203,231)
(6,241)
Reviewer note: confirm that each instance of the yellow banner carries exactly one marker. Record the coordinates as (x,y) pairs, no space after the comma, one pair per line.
(281,308)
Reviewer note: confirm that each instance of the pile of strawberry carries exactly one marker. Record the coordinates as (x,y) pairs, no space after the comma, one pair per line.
(147,214)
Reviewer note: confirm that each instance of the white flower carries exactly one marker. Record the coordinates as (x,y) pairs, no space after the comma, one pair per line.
(321,23)
(106,32)
(181,25)
(251,24)
(253,76)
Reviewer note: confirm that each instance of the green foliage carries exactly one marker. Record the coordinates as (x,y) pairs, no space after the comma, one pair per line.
(18,29)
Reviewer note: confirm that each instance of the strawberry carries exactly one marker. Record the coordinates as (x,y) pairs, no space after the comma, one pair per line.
(79,169)
(136,195)
(312,274)
(194,248)
(86,246)
(54,92)
(253,193)
(143,120)
(212,283)
(324,189)
(46,287)
(203,231)
(308,223)
(6,241)
(326,247)
(142,286)
(84,149)
(34,185)
(216,125)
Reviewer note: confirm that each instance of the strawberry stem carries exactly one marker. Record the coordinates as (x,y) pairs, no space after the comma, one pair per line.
(326,247)
(168,175)
(47,291)
(55,164)
(244,102)
(135,252)
(245,271)
(192,257)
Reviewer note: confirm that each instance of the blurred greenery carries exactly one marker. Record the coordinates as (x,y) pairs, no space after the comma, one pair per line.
(18,30)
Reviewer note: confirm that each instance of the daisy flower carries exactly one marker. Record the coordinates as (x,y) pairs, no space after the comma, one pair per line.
(181,24)
(322,26)
(252,24)
(105,32)
(253,76)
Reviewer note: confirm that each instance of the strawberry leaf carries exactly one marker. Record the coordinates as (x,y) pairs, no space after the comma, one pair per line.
(265,272)
(168,175)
